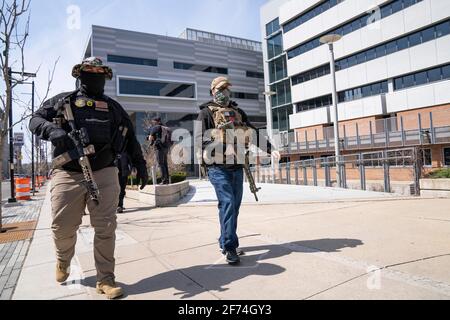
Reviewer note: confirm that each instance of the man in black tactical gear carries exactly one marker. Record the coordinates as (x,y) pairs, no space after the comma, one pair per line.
(160,138)
(103,124)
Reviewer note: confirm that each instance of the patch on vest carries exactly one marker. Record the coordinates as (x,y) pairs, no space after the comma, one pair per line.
(80,103)
(101,106)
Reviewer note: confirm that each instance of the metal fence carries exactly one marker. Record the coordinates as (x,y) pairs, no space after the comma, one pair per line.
(401,165)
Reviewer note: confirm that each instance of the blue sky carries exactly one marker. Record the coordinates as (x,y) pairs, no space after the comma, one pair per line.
(54,32)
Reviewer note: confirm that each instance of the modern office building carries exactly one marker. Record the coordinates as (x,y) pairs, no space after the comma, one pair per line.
(170,77)
(392,74)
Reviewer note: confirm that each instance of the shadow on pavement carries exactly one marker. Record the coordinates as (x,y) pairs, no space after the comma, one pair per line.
(192,281)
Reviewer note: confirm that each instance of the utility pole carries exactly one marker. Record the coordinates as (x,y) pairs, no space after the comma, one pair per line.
(11,144)
(33,174)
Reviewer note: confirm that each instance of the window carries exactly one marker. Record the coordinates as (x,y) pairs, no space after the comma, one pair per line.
(361,58)
(156,88)
(386,11)
(366,91)
(396,6)
(313,12)
(398,84)
(133,60)
(402,43)
(443,29)
(252,74)
(355,25)
(434,75)
(357,93)
(352,61)
(414,39)
(447,157)
(446,72)
(391,47)
(283,93)
(244,96)
(408,81)
(428,34)
(371,54)
(347,28)
(272,27)
(426,158)
(421,78)
(343,64)
(197,67)
(275,46)
(381,51)
(384,87)
(376,88)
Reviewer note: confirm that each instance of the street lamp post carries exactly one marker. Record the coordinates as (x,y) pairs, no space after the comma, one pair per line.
(11,133)
(330,40)
(270,94)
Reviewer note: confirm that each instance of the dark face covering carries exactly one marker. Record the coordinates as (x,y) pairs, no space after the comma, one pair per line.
(92,84)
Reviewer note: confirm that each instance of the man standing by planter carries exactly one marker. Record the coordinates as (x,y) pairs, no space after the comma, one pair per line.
(161,138)
(222,115)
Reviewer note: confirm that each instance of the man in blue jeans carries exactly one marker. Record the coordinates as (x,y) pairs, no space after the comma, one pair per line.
(219,117)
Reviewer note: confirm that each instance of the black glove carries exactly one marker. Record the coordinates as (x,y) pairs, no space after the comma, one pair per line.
(58,137)
(142,175)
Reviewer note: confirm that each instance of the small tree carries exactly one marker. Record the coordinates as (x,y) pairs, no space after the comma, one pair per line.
(14,32)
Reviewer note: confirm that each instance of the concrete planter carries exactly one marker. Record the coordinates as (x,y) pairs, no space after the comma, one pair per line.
(160,196)
(438,188)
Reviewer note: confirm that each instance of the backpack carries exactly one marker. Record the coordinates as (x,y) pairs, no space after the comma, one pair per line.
(166,137)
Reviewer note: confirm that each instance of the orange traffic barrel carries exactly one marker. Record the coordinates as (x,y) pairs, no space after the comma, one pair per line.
(23,189)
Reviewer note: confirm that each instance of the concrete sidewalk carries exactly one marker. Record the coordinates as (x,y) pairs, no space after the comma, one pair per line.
(366,249)
(15,247)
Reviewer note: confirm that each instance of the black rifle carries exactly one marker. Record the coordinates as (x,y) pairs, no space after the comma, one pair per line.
(253,188)
(80,139)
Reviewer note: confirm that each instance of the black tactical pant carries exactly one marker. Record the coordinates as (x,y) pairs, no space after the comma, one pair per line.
(123,186)
(162,159)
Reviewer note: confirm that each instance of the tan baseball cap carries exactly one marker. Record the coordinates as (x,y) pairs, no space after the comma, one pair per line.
(220,82)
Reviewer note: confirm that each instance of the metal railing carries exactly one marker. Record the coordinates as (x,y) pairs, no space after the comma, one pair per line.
(385,166)
(405,131)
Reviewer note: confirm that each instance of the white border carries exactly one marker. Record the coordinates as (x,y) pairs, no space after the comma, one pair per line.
(118,77)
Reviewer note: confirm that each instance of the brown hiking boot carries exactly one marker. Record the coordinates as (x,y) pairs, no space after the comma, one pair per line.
(62,272)
(110,289)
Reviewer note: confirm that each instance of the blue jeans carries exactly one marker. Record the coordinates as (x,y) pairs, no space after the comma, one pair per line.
(229,186)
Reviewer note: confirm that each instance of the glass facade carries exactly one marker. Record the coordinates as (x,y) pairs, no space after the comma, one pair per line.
(356,24)
(282,94)
(155,88)
(273,26)
(275,46)
(422,77)
(408,41)
(277,69)
(132,60)
(280,118)
(308,15)
(201,68)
